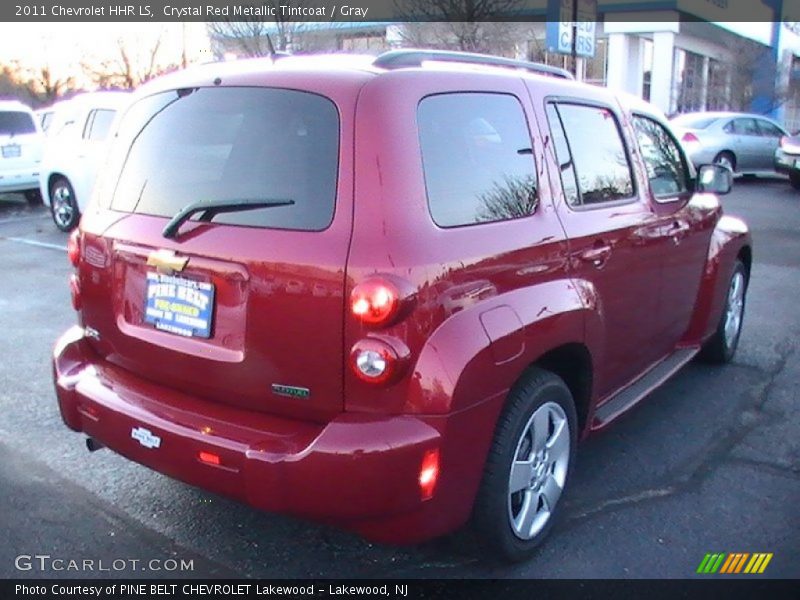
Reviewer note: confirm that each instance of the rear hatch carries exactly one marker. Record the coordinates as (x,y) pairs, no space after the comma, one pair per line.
(241,307)
(20,143)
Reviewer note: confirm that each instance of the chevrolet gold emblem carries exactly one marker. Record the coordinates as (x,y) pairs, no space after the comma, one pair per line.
(166,262)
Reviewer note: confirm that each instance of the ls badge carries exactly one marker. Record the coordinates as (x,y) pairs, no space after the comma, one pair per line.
(145,437)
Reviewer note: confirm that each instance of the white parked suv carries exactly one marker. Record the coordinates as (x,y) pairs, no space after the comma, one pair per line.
(75,151)
(21,143)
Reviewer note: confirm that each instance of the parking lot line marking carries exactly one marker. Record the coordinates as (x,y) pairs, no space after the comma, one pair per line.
(36,243)
(22,219)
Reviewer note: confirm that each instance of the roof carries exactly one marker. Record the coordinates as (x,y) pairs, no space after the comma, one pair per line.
(14,105)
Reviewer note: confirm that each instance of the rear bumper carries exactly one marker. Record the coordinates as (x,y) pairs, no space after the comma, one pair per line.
(357,471)
(19,180)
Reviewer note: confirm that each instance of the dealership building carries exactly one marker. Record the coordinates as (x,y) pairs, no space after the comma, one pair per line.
(682,55)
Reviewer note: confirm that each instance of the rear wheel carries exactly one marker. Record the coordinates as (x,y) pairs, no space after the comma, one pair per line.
(528,466)
(722,345)
(726,159)
(63,204)
(794,179)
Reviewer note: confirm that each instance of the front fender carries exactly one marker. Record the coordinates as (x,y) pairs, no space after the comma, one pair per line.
(730,238)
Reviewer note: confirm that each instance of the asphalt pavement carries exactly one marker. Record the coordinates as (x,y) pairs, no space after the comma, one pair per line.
(708,463)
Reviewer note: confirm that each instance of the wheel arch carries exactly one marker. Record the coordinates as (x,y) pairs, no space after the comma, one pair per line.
(730,241)
(51,179)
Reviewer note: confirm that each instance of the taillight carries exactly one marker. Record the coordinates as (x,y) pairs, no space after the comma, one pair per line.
(74,247)
(784,139)
(375,301)
(75,291)
(379,359)
(429,473)
(690,138)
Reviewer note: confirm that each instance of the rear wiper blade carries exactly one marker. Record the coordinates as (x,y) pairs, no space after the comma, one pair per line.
(211,209)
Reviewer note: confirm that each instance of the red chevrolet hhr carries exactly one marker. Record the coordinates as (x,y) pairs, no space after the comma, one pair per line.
(393,293)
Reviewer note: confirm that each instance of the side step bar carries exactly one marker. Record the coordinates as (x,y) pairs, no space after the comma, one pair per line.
(631,395)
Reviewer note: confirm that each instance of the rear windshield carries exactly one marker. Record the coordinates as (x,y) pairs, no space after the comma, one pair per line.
(16,123)
(212,144)
(694,121)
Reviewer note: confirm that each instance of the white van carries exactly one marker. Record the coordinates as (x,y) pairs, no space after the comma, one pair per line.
(75,151)
(20,150)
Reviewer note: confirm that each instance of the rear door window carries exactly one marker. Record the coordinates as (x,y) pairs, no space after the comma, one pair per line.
(477,158)
(212,144)
(596,157)
(98,124)
(744,127)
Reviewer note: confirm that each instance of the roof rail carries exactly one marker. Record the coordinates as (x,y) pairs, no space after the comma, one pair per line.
(398,59)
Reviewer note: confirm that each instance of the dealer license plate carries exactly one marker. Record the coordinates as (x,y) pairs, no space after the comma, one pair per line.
(178,305)
(11,151)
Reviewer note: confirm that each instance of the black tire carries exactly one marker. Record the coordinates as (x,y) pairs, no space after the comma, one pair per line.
(63,204)
(494,505)
(794,179)
(721,347)
(726,159)
(33,197)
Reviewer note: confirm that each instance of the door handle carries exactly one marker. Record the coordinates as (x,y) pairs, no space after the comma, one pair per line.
(678,231)
(598,255)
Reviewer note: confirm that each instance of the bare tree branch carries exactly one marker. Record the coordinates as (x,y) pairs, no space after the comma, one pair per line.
(249,37)
(128,68)
(457,24)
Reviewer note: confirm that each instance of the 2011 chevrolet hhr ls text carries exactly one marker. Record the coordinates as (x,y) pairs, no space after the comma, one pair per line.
(390,293)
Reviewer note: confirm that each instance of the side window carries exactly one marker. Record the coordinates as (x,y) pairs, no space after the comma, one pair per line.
(477,158)
(87,124)
(100,124)
(601,166)
(769,130)
(666,167)
(563,156)
(745,127)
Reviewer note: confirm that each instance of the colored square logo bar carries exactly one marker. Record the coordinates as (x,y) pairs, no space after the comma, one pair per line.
(734,562)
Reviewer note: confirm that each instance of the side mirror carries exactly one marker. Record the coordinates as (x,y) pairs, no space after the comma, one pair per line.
(714,179)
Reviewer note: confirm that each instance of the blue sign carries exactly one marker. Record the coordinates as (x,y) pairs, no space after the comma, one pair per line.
(561,23)
(179,305)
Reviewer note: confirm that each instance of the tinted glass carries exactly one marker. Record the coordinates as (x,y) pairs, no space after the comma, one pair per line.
(666,168)
(477,158)
(769,130)
(16,123)
(568,181)
(693,121)
(745,127)
(101,123)
(598,153)
(213,144)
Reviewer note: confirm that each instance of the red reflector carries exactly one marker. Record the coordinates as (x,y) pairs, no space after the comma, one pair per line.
(74,247)
(75,291)
(209,458)
(690,137)
(429,474)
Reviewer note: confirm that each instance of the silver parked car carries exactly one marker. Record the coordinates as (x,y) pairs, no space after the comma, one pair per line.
(787,159)
(745,143)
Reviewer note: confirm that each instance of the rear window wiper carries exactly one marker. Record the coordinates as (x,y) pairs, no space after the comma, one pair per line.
(211,209)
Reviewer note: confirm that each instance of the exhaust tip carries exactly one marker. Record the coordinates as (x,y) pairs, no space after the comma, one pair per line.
(92,445)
